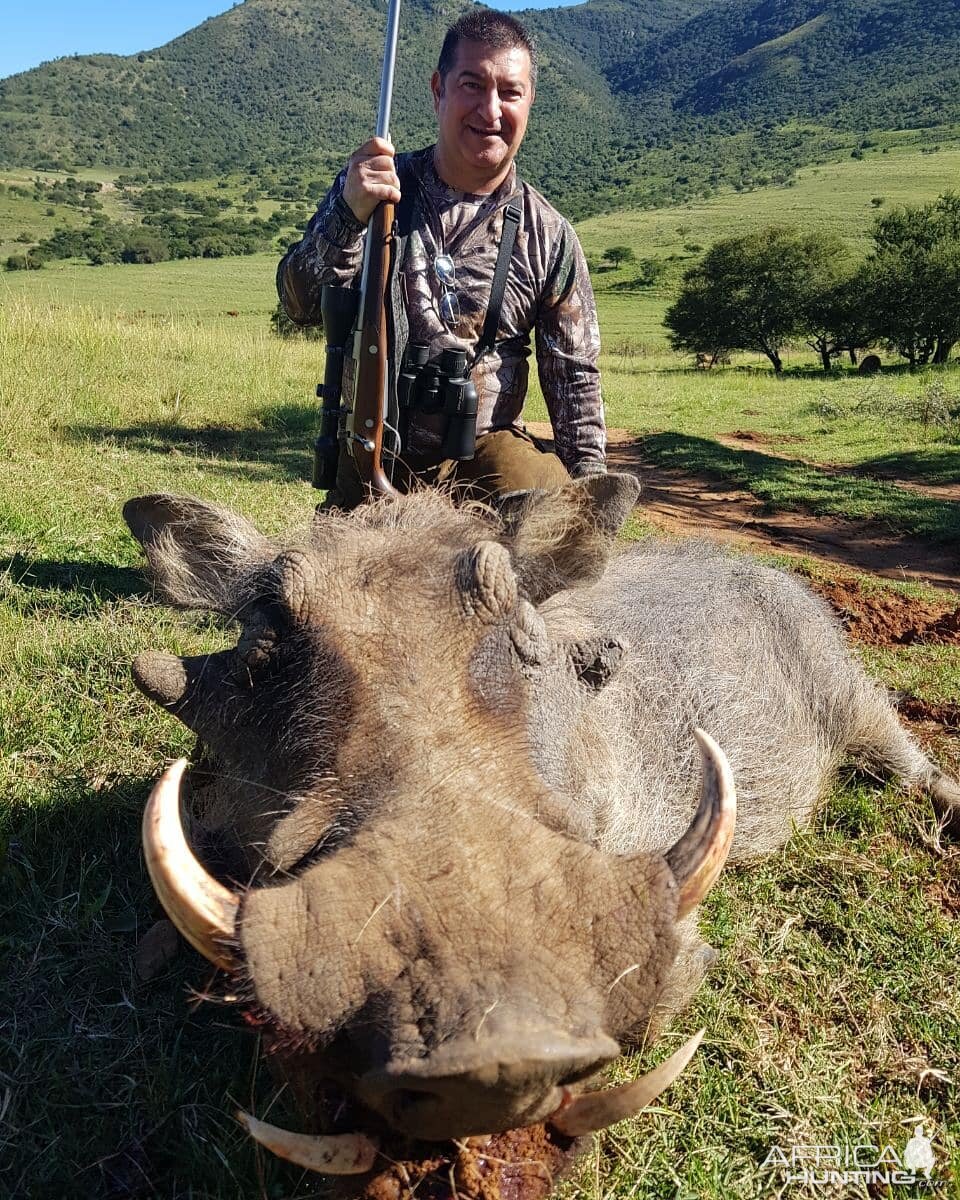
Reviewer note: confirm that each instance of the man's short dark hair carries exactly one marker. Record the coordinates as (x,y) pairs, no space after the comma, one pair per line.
(495,30)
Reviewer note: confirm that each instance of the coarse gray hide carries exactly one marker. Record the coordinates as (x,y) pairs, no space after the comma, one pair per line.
(454,746)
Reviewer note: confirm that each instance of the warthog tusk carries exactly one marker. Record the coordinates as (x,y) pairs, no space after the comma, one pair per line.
(202,909)
(590,1111)
(329,1154)
(697,859)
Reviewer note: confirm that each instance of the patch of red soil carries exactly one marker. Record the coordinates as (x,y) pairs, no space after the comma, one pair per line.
(926,712)
(945,895)
(886,618)
(752,437)
(523,1164)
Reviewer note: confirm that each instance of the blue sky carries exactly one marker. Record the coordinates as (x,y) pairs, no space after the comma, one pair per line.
(35,32)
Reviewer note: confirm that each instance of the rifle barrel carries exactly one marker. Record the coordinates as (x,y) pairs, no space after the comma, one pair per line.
(389,62)
(366,422)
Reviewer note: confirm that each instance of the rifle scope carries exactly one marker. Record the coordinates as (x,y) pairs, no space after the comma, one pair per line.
(338,307)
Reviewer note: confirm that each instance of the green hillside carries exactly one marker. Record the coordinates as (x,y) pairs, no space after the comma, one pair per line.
(854,63)
(640,103)
(268,82)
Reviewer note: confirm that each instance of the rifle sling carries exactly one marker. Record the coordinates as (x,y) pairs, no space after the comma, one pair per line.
(491,323)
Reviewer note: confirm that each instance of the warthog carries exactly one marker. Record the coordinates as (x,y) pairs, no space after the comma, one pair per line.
(459,749)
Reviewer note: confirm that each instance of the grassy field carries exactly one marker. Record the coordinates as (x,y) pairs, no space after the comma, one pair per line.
(190,289)
(837,195)
(831,1014)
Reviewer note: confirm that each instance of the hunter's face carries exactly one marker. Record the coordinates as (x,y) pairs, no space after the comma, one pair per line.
(482,108)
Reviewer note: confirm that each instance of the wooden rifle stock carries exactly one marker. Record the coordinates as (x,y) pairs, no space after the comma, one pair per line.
(372,365)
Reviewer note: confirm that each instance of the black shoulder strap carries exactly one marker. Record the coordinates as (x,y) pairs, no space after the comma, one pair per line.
(488,338)
(408,194)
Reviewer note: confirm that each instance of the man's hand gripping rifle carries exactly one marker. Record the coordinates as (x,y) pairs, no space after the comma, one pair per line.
(366,411)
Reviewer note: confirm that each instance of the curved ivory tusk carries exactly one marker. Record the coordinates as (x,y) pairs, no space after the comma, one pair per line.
(590,1111)
(202,909)
(329,1154)
(697,858)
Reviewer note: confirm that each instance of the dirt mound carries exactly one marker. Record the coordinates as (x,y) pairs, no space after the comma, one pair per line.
(520,1165)
(887,618)
(752,437)
(926,712)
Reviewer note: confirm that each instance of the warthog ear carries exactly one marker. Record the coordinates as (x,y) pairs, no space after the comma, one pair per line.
(196,550)
(596,660)
(563,538)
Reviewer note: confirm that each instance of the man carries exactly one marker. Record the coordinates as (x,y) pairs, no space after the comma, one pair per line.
(453,197)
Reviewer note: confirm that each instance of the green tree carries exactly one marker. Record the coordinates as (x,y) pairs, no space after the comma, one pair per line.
(913,279)
(832,308)
(745,294)
(615,255)
(696,324)
(143,246)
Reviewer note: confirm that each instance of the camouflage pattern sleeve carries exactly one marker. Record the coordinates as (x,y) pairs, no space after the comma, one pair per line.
(568,350)
(329,252)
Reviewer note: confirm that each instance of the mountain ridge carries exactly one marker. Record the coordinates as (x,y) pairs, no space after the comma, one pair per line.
(692,91)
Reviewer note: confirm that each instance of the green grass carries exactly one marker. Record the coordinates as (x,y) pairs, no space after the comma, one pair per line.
(926,669)
(831,1014)
(785,485)
(192,289)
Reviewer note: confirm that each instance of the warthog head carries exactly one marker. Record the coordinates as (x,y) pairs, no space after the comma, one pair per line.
(419,925)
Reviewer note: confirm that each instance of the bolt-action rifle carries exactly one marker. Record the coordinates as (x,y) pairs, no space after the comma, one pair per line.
(366,411)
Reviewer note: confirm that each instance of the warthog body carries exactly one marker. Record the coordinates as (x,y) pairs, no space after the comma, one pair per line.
(456,745)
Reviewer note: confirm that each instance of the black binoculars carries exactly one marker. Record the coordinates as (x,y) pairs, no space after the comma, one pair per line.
(440,387)
(430,387)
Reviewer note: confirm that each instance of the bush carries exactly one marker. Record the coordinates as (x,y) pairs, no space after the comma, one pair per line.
(283,327)
(144,248)
(23,262)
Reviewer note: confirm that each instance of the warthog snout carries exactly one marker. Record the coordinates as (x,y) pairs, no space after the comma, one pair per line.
(475,1086)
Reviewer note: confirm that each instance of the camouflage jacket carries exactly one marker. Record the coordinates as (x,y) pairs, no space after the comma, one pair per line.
(548,292)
